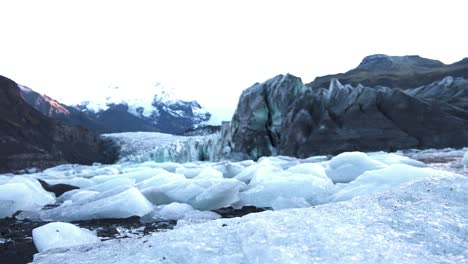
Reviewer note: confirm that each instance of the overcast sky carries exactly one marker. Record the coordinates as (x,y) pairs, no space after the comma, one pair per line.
(211,50)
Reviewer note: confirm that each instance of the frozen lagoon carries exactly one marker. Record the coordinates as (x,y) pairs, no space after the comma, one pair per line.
(185,192)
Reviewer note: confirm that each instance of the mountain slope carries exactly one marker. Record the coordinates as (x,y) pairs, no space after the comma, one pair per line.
(30,139)
(396,72)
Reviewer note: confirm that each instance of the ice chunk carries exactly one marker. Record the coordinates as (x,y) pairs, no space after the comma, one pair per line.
(113,183)
(189,171)
(209,173)
(281,203)
(161,179)
(229,169)
(348,165)
(22,193)
(313,169)
(219,195)
(380,180)
(78,195)
(58,234)
(174,211)
(391,158)
(180,191)
(265,188)
(258,169)
(121,205)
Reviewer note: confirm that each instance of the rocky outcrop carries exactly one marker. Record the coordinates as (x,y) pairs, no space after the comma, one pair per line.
(30,139)
(285,117)
(396,72)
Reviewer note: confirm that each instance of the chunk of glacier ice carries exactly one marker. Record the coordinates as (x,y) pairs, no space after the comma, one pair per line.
(380,180)
(229,169)
(346,166)
(392,158)
(423,222)
(265,188)
(209,173)
(465,160)
(123,204)
(59,234)
(22,193)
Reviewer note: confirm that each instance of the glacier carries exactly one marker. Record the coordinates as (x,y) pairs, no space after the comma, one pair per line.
(422,222)
(372,207)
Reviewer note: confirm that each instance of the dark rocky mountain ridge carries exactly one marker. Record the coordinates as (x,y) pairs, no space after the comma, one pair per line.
(282,116)
(396,72)
(30,139)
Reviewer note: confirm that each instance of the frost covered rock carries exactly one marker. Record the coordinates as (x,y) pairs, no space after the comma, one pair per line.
(420,223)
(380,180)
(345,167)
(22,193)
(58,234)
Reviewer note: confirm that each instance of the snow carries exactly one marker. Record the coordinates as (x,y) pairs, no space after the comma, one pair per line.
(421,222)
(59,234)
(347,166)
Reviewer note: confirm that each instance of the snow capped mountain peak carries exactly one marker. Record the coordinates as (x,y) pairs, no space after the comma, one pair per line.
(154,104)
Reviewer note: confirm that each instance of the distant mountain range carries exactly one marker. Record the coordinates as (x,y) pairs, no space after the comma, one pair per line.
(157,110)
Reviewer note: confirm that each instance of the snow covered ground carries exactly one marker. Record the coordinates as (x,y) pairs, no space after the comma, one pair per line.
(355,207)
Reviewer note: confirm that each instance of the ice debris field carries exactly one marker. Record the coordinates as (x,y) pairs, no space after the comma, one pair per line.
(355,207)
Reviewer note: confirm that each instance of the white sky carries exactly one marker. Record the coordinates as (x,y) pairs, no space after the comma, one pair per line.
(211,50)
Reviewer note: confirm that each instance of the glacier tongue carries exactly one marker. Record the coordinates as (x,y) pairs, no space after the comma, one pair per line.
(388,227)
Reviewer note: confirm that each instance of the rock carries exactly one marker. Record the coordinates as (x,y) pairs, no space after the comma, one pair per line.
(284,117)
(57,189)
(30,139)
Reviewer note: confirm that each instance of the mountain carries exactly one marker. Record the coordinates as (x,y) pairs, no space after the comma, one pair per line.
(396,72)
(155,110)
(282,116)
(30,139)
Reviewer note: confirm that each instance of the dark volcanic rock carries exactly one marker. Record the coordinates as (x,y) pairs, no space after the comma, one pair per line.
(396,72)
(30,139)
(284,117)
(57,189)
